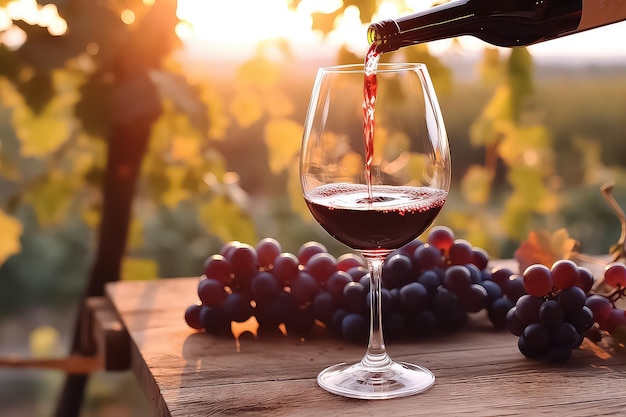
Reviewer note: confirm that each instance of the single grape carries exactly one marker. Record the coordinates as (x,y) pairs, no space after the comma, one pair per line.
(217,267)
(585,279)
(457,278)
(268,249)
(357,272)
(538,280)
(441,237)
(476,276)
(444,301)
(474,298)
(551,314)
(515,288)
(498,311)
(528,351)
(582,319)
(307,250)
(501,276)
(480,258)
(430,280)
(324,306)
(286,267)
(528,307)
(397,271)
(336,282)
(337,319)
(413,298)
(514,324)
(211,292)
(536,336)
(228,247)
(354,297)
(321,266)
(600,306)
(192,316)
(461,252)
(564,335)
(354,328)
(214,320)
(350,260)
(237,307)
(425,257)
(365,281)
(616,319)
(244,261)
(493,290)
(615,274)
(564,274)
(571,299)
(304,288)
(264,286)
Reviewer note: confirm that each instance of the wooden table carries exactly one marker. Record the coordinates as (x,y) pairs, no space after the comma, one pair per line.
(479,371)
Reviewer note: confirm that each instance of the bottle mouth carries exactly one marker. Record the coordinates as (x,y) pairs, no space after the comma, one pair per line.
(384,33)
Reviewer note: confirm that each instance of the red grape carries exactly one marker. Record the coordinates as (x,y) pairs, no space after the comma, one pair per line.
(461,252)
(211,292)
(480,258)
(228,247)
(217,267)
(564,274)
(349,260)
(538,280)
(441,237)
(264,286)
(244,261)
(615,274)
(268,249)
(309,249)
(586,279)
(192,316)
(286,267)
(321,266)
(601,307)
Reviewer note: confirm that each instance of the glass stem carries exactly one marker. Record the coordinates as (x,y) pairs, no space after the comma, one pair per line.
(376,357)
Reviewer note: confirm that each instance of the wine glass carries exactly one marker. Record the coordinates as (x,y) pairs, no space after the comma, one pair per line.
(375,172)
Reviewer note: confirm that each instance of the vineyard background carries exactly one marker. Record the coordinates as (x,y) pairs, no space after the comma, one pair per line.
(531,141)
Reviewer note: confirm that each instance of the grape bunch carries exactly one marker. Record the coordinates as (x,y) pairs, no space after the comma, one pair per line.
(427,287)
(552,318)
(609,317)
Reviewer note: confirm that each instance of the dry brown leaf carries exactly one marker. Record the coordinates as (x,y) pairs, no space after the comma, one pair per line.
(543,247)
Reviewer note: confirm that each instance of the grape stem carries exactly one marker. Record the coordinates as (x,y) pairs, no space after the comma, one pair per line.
(618,250)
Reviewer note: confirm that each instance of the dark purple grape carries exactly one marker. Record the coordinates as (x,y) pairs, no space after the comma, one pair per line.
(582,319)
(498,311)
(461,252)
(354,328)
(571,299)
(354,298)
(264,286)
(413,298)
(397,271)
(493,290)
(192,316)
(536,337)
(286,267)
(336,282)
(386,300)
(365,281)
(457,279)
(474,298)
(425,257)
(430,280)
(211,292)
(528,308)
(283,307)
(306,251)
(551,314)
(501,276)
(515,288)
(600,306)
(528,351)
(321,266)
(514,324)
(324,306)
(237,307)
(585,279)
(357,273)
(409,249)
(267,250)
(337,319)
(480,258)
(304,288)
(475,275)
(564,335)
(214,320)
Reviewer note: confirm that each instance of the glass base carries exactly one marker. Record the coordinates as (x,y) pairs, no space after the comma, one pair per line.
(399,379)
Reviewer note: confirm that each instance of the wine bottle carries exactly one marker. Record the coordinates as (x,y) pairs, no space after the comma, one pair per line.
(498,22)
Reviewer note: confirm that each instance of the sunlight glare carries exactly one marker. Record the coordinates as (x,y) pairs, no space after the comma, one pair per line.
(30,12)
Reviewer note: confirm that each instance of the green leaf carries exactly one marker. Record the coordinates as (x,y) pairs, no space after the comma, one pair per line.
(283,138)
(476,184)
(10,243)
(225,219)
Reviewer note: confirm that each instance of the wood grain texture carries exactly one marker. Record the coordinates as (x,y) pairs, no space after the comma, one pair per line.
(479,371)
